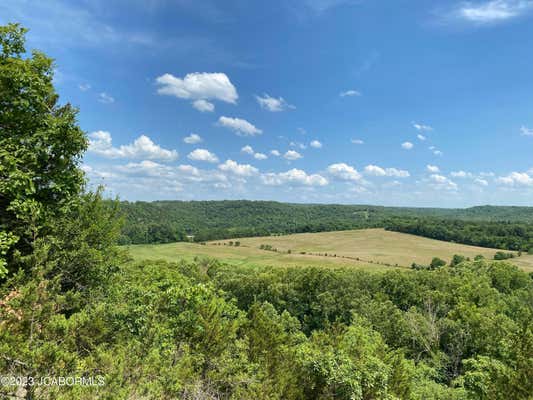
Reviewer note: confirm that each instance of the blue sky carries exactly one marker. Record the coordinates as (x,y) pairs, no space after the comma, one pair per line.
(406,102)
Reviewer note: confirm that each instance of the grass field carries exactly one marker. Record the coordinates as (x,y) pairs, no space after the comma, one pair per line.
(366,248)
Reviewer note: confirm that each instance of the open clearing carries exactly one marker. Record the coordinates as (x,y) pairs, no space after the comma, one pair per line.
(365,248)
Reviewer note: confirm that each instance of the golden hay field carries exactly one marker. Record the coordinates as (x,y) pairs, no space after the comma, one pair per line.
(365,248)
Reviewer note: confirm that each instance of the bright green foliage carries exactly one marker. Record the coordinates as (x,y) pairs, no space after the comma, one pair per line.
(72,306)
(7,240)
(40,144)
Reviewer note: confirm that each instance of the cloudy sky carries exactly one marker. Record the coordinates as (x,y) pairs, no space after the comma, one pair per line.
(404,102)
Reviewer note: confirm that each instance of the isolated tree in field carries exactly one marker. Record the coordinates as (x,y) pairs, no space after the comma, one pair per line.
(437,263)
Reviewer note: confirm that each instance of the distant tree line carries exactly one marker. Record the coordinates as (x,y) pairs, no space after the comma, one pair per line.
(200,221)
(501,235)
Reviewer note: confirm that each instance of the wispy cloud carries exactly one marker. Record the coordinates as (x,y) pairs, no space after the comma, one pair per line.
(350,93)
(105,98)
(488,12)
(272,104)
(525,131)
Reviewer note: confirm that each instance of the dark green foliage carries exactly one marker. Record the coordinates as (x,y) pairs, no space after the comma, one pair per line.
(501,255)
(437,262)
(166,221)
(501,235)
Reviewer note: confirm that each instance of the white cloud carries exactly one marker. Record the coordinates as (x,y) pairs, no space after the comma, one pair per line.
(240,126)
(481,182)
(84,87)
(437,152)
(441,182)
(193,138)
(492,11)
(516,179)
(272,104)
(407,145)
(203,105)
(344,172)
(100,142)
(422,127)
(461,174)
(189,169)
(350,92)
(238,169)
(292,155)
(199,87)
(432,168)
(275,153)
(294,177)
(105,98)
(375,170)
(526,131)
(202,155)
(315,144)
(298,144)
(421,137)
(248,150)
(357,141)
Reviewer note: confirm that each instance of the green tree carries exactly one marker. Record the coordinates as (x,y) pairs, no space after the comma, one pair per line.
(40,146)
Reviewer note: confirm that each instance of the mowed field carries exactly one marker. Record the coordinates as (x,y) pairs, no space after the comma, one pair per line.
(365,248)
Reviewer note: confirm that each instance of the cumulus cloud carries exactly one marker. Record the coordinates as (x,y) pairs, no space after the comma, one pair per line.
(516,179)
(292,155)
(357,141)
(481,182)
(422,127)
(526,131)
(105,98)
(421,137)
(407,145)
(238,169)
(275,153)
(486,12)
(203,105)
(350,93)
(375,170)
(100,142)
(200,87)
(432,168)
(202,155)
(249,150)
(241,127)
(294,177)
(193,138)
(316,144)
(441,182)
(344,172)
(272,104)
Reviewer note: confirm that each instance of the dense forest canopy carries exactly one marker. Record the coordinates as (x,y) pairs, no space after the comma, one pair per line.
(502,235)
(169,221)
